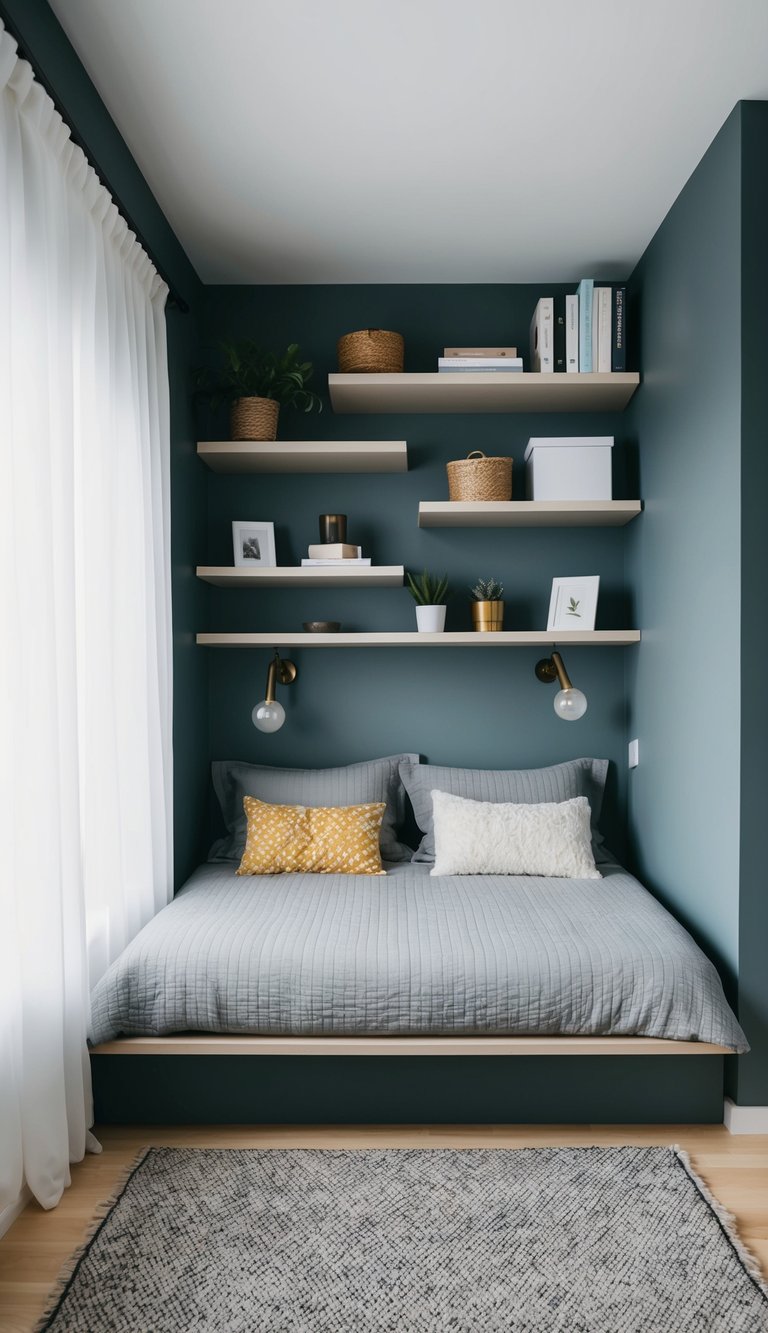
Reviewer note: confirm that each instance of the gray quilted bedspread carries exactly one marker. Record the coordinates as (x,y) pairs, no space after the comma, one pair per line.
(349,954)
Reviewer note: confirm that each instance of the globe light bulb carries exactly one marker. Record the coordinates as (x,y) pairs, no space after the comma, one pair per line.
(570,704)
(268,716)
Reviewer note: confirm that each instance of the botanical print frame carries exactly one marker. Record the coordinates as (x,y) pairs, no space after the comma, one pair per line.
(573,603)
(254,543)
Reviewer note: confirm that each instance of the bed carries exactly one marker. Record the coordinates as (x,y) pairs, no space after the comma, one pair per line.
(305,970)
(413,957)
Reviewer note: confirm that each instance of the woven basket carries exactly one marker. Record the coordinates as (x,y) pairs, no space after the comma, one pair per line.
(371,351)
(479,478)
(254,419)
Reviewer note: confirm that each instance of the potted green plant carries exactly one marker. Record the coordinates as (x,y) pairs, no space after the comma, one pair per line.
(429,592)
(487,606)
(256,383)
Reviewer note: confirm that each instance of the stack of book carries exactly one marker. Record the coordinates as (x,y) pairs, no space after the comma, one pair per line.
(336,554)
(582,332)
(478,360)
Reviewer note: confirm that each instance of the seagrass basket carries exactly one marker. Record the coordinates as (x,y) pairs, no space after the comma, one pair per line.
(371,351)
(479,478)
(253,419)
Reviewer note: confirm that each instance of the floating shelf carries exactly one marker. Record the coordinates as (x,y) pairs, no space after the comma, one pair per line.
(513,392)
(297,576)
(605,638)
(304,455)
(527,513)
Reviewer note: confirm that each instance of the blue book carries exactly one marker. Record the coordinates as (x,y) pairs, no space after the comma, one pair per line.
(619,331)
(584,291)
(511,369)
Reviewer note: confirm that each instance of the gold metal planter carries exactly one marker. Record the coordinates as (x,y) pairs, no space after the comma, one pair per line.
(488,617)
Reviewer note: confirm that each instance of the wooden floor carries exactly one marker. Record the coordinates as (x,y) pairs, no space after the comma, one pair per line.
(38,1244)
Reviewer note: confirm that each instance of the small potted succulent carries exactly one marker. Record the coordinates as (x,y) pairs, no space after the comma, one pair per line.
(428,592)
(487,606)
(256,383)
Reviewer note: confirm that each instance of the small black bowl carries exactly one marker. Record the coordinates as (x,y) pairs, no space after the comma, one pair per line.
(322,626)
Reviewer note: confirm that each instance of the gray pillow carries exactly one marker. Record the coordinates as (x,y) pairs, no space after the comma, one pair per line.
(355,784)
(524,786)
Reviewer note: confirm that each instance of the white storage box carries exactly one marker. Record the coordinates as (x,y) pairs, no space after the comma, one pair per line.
(569,468)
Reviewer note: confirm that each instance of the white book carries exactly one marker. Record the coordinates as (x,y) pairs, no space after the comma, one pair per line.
(336,564)
(602,325)
(480,351)
(333,551)
(480,362)
(542,336)
(572,334)
(480,370)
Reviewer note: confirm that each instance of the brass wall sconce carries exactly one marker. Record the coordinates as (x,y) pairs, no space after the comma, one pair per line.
(569,704)
(269,715)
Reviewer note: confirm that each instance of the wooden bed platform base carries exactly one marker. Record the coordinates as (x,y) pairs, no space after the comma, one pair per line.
(426,1080)
(203,1044)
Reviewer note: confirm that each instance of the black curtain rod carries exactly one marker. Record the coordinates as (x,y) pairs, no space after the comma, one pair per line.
(174,297)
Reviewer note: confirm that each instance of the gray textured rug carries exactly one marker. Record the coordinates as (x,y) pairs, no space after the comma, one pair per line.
(560,1240)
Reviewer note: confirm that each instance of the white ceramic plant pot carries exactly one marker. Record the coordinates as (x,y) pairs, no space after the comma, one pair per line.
(430,619)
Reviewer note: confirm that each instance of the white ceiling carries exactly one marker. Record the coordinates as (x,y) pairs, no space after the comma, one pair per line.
(418,140)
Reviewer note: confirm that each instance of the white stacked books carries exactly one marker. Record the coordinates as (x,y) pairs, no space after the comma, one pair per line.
(474,365)
(335,554)
(583,331)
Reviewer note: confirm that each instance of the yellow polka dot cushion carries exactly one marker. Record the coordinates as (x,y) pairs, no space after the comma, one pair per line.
(325,840)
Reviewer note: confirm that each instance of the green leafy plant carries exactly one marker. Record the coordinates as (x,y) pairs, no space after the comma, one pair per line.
(573,607)
(487,590)
(427,589)
(248,371)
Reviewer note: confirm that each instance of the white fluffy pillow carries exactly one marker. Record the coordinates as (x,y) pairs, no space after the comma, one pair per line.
(486,838)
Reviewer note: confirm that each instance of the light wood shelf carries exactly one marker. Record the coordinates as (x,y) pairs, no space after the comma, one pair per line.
(297,576)
(304,455)
(527,513)
(215,1044)
(605,638)
(513,392)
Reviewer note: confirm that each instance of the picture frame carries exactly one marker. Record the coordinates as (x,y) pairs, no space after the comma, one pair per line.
(254,543)
(573,603)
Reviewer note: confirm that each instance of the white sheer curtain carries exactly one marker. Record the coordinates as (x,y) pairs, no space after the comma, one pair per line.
(85,630)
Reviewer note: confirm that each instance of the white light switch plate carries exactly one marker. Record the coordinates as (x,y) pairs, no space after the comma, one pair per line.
(633,756)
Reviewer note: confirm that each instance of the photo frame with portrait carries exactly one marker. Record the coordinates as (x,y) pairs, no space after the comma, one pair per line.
(254,543)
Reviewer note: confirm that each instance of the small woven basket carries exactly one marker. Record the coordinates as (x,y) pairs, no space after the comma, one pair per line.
(371,351)
(479,478)
(253,419)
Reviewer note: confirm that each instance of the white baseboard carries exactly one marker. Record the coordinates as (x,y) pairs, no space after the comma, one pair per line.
(745,1119)
(8,1215)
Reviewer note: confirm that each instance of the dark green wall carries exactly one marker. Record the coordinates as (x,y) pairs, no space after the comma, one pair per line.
(51,54)
(697,563)
(683,685)
(751,1084)
(458,706)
